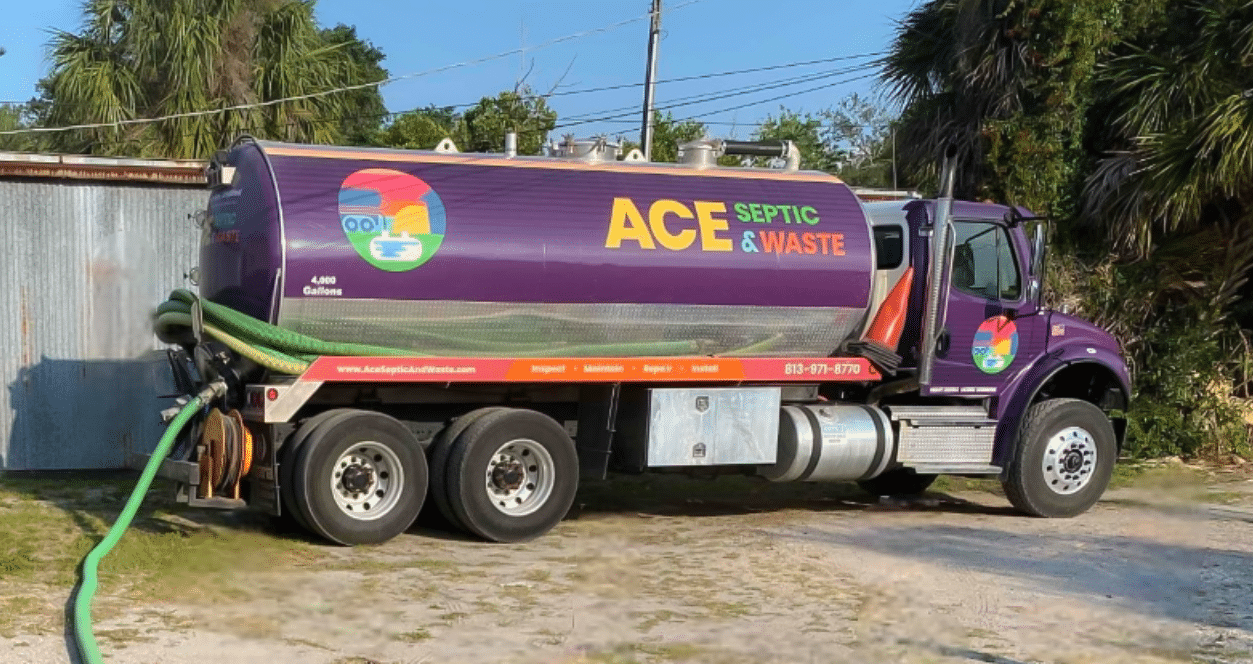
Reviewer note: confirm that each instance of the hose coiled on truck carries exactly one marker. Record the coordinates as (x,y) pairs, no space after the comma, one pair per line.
(286,352)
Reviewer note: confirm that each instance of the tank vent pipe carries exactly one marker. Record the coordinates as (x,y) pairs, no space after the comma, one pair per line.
(511,144)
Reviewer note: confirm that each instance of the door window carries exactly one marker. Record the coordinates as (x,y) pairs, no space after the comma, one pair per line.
(984,264)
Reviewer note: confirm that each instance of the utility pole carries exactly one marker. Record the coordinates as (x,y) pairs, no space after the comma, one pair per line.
(654,32)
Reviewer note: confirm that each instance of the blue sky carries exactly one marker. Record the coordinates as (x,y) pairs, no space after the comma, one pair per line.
(704,37)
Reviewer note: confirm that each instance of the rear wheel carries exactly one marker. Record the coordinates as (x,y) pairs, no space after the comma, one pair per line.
(512,475)
(1064,459)
(440,448)
(898,482)
(361,478)
(289,507)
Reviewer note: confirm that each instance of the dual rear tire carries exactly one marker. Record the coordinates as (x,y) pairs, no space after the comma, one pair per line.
(353,477)
(360,477)
(505,475)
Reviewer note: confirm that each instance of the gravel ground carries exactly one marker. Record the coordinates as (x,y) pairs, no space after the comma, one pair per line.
(1149,575)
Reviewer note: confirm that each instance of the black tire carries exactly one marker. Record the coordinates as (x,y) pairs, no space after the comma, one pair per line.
(438,463)
(376,449)
(521,436)
(1074,432)
(897,482)
(290,508)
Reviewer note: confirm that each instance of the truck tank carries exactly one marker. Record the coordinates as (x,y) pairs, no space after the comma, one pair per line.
(455,254)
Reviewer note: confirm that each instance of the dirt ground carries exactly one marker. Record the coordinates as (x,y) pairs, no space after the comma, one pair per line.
(679,570)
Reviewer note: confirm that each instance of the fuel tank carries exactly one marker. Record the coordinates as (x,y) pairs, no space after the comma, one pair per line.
(456,254)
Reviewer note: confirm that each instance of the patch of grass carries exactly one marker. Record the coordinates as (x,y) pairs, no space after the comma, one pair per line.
(655,618)
(726,609)
(641,653)
(168,552)
(122,637)
(453,617)
(951,484)
(415,636)
(16,614)
(537,575)
(1154,475)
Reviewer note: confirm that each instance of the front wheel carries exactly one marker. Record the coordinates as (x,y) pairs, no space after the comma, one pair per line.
(1065,457)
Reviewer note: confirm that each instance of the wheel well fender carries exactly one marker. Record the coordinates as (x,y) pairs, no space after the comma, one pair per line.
(1090,380)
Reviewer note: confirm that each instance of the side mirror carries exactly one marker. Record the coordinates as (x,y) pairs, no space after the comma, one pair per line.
(1035,281)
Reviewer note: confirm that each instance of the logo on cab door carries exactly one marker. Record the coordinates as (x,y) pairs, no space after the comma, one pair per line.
(995,345)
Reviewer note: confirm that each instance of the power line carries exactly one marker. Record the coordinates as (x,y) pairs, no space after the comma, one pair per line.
(738,93)
(785,96)
(757,87)
(348,88)
(734,72)
(614,113)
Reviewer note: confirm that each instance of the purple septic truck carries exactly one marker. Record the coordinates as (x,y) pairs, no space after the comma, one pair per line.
(487,329)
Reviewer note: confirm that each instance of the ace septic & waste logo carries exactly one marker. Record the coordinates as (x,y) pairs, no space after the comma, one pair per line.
(395,221)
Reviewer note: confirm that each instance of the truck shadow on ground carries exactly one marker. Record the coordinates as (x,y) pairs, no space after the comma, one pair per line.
(1198,584)
(678,495)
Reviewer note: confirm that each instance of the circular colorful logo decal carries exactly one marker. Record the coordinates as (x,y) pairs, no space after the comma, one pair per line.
(394,220)
(996,344)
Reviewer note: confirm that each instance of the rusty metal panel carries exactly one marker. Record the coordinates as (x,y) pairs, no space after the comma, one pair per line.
(33,165)
(83,266)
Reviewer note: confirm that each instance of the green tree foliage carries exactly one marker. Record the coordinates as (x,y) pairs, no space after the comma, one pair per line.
(150,58)
(360,125)
(1009,82)
(1174,190)
(862,132)
(1134,117)
(520,111)
(1178,115)
(808,132)
(668,135)
(15,117)
(481,128)
(423,129)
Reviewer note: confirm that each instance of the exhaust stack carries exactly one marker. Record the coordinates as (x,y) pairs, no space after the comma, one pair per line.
(941,257)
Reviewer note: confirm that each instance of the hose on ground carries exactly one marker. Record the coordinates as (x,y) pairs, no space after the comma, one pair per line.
(88,649)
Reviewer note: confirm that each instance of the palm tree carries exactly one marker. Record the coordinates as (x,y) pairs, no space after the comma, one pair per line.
(151,58)
(1180,118)
(1176,180)
(954,66)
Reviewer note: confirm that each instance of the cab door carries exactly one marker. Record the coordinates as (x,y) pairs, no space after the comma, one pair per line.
(990,327)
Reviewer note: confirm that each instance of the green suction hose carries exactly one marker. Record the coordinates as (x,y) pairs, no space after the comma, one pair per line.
(287,352)
(87,647)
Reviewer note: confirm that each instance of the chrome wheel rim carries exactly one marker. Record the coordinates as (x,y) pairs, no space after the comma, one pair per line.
(1069,460)
(519,477)
(367,481)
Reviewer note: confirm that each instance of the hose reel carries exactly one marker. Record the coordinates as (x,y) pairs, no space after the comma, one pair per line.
(224,453)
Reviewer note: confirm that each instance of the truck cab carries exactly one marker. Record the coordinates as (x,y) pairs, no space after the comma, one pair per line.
(997,347)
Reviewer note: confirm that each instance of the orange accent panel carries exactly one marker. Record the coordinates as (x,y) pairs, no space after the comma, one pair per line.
(890,320)
(589,369)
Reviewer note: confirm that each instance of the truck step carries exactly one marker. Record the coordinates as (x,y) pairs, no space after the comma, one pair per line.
(955,469)
(946,436)
(924,416)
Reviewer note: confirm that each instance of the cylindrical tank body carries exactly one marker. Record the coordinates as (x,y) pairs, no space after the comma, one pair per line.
(460,254)
(831,442)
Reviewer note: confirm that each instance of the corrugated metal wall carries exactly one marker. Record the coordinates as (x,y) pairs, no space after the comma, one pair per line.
(82,266)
